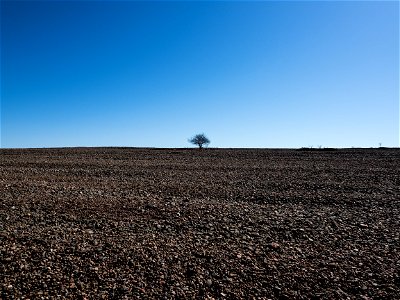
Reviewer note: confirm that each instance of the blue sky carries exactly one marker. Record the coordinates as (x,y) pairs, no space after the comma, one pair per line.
(152,74)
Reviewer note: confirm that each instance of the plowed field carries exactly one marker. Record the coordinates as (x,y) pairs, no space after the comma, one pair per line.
(127,223)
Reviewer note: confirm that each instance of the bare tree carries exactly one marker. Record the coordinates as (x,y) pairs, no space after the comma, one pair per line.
(199,140)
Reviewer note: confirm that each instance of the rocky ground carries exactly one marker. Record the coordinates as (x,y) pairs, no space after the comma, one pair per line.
(126,223)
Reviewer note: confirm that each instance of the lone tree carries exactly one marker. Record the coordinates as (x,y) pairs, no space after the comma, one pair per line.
(199,140)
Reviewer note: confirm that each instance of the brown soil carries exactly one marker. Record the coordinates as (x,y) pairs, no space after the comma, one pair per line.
(115,223)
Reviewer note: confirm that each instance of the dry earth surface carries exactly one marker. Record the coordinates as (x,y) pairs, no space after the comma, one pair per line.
(116,223)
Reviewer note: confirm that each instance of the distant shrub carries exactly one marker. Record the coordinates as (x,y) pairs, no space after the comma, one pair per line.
(199,140)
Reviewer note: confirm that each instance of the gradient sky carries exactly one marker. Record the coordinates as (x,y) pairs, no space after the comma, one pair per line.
(152,74)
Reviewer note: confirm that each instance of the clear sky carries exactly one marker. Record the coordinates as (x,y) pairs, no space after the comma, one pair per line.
(153,74)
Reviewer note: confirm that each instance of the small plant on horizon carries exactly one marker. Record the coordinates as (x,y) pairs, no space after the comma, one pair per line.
(199,140)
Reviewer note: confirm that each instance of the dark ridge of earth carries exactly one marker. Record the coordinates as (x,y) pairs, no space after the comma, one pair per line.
(130,223)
